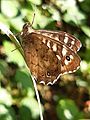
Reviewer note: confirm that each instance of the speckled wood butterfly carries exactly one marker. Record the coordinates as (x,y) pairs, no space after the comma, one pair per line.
(49,54)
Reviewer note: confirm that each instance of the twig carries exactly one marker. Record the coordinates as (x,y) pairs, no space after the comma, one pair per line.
(37,95)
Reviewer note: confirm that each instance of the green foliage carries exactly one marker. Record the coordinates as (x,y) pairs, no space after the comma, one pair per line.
(67,110)
(17,97)
(29,108)
(7,113)
(13,53)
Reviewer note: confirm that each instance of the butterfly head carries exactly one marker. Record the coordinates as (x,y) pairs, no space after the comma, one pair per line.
(27,29)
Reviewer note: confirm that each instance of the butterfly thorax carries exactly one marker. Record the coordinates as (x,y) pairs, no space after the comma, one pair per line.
(27,29)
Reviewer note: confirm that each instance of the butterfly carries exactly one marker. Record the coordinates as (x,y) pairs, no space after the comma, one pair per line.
(49,54)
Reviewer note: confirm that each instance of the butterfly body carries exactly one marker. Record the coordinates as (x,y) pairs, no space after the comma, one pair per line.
(50,54)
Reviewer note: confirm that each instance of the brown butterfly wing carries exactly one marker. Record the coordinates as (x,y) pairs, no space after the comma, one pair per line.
(41,60)
(69,60)
(46,61)
(72,42)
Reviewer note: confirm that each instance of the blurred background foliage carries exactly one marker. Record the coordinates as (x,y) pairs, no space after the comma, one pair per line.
(69,98)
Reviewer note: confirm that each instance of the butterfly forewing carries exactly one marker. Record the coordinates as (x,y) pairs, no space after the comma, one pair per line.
(50,54)
(66,38)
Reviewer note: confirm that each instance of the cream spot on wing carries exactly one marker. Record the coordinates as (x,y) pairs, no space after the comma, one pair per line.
(66,35)
(44,40)
(78,67)
(49,83)
(56,37)
(48,43)
(21,33)
(65,73)
(74,70)
(70,71)
(30,30)
(39,37)
(54,47)
(42,82)
(66,62)
(50,35)
(59,58)
(55,80)
(71,56)
(72,42)
(58,76)
(64,51)
(66,39)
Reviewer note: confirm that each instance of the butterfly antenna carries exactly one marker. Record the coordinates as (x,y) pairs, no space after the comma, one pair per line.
(33,19)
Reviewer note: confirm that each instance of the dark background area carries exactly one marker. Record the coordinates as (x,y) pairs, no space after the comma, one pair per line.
(69,97)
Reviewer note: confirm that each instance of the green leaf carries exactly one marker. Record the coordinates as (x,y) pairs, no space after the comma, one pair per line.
(4,20)
(17,23)
(74,15)
(7,113)
(36,2)
(39,20)
(67,110)
(13,56)
(29,109)
(3,67)
(9,7)
(5,97)
(23,79)
(85,66)
(86,30)
(85,6)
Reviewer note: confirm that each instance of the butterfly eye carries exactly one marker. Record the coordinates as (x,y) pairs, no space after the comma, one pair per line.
(26,25)
(68,58)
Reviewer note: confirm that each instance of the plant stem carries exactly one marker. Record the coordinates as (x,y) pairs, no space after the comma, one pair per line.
(38,98)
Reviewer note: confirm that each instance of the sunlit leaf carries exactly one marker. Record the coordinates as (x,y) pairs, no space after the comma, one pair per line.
(5,97)
(86,30)
(85,67)
(36,2)
(9,8)
(13,55)
(17,23)
(4,20)
(74,15)
(67,110)
(29,109)
(7,113)
(23,79)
